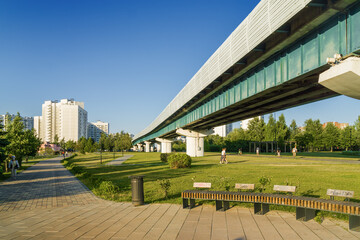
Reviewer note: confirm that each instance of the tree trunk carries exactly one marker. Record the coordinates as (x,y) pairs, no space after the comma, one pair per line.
(27,158)
(331,149)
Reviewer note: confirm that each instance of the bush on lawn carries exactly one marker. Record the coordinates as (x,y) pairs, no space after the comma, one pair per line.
(179,160)
(164,157)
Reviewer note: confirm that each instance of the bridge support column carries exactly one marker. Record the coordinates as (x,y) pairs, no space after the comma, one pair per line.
(158,147)
(147,146)
(165,145)
(194,141)
(139,146)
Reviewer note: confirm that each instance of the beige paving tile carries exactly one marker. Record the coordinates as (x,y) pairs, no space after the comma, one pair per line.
(250,227)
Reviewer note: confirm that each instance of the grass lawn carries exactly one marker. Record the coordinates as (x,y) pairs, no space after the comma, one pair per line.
(312,175)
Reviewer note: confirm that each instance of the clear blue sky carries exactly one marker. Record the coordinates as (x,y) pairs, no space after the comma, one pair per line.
(125,59)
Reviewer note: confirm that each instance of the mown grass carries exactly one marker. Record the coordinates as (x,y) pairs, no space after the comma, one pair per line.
(311,174)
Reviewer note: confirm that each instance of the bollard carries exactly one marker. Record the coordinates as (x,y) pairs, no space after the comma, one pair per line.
(137,190)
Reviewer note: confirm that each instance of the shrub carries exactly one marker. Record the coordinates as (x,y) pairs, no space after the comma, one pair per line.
(164,157)
(108,187)
(264,180)
(179,160)
(165,186)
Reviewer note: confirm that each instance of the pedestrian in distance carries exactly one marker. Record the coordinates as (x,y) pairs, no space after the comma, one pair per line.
(223,156)
(240,151)
(294,151)
(278,151)
(13,165)
(258,151)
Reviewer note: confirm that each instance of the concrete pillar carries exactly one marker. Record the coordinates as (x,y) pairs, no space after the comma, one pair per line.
(147,146)
(151,148)
(139,145)
(165,145)
(194,141)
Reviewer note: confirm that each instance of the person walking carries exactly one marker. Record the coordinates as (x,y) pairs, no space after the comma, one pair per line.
(223,156)
(13,165)
(258,151)
(294,151)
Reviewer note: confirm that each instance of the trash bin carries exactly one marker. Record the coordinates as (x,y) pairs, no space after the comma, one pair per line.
(137,190)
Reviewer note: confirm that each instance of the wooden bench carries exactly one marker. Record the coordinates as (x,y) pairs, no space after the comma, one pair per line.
(306,207)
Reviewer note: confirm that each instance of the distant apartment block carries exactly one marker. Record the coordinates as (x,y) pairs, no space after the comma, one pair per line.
(67,119)
(223,130)
(94,130)
(336,124)
(27,121)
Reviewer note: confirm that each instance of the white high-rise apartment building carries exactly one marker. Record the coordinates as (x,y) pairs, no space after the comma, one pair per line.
(223,130)
(27,121)
(67,119)
(37,125)
(95,129)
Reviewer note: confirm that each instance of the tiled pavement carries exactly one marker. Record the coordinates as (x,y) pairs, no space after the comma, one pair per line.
(47,202)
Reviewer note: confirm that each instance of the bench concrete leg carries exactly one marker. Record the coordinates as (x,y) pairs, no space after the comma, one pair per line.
(226,205)
(192,203)
(185,203)
(304,214)
(218,205)
(261,208)
(354,223)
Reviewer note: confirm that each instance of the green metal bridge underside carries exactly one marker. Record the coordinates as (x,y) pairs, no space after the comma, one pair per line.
(288,78)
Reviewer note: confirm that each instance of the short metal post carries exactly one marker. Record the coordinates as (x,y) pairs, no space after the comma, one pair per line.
(354,223)
(137,190)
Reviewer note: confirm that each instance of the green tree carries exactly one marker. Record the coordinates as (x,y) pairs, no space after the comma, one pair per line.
(236,135)
(124,142)
(293,130)
(331,135)
(346,137)
(89,146)
(256,129)
(15,137)
(270,129)
(31,144)
(109,143)
(282,131)
(102,141)
(80,146)
(3,143)
(70,145)
(62,144)
(314,128)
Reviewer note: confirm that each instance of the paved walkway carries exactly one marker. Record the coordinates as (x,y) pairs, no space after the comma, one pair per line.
(119,161)
(47,202)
